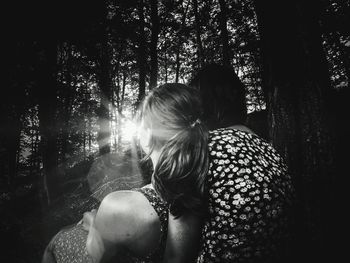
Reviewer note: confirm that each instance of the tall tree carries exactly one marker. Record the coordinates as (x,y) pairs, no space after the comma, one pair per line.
(67,96)
(141,59)
(296,83)
(10,135)
(47,101)
(180,40)
(224,33)
(154,43)
(105,84)
(13,107)
(200,54)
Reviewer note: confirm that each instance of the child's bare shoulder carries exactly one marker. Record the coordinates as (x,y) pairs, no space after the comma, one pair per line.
(126,213)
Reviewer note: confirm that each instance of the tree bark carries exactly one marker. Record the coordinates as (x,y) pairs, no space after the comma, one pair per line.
(104,132)
(141,51)
(12,145)
(37,150)
(123,91)
(165,64)
(154,43)
(296,83)
(179,43)
(198,34)
(67,99)
(47,82)
(105,83)
(10,132)
(120,110)
(90,135)
(224,33)
(13,106)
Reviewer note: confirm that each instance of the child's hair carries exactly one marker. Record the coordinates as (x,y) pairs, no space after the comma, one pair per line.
(223,95)
(173,114)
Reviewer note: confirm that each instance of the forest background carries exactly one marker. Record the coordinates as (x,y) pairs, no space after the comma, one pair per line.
(75,72)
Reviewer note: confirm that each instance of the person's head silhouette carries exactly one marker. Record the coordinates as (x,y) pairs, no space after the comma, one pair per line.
(223,96)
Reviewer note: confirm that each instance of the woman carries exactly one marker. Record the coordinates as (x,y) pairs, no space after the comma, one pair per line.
(249,189)
(131,226)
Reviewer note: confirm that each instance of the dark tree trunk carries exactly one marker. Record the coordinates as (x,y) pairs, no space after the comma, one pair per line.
(47,119)
(68,94)
(12,107)
(123,91)
(116,95)
(141,51)
(177,63)
(166,64)
(37,160)
(224,33)
(104,132)
(198,34)
(116,72)
(12,144)
(10,133)
(87,123)
(179,43)
(154,43)
(84,140)
(116,103)
(90,135)
(296,83)
(34,158)
(105,83)
(120,110)
(32,150)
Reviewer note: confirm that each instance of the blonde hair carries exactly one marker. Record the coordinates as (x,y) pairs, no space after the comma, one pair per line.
(172,112)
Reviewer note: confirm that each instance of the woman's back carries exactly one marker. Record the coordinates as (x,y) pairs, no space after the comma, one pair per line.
(249,197)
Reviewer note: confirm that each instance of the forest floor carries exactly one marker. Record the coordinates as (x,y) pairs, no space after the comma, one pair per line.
(27,225)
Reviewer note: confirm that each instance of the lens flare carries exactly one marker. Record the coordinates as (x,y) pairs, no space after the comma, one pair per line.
(129,130)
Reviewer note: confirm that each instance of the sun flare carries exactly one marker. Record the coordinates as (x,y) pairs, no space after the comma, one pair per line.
(129,130)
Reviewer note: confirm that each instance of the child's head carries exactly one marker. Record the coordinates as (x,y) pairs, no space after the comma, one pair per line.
(170,117)
(223,95)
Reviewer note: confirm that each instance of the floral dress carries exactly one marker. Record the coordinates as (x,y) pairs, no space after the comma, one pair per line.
(250,193)
(69,245)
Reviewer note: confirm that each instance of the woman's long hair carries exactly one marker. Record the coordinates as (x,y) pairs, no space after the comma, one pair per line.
(173,114)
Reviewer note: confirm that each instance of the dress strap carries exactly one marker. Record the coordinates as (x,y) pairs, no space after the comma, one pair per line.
(157,203)
(161,209)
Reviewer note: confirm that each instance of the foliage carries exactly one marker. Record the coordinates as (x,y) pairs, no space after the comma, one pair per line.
(336,40)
